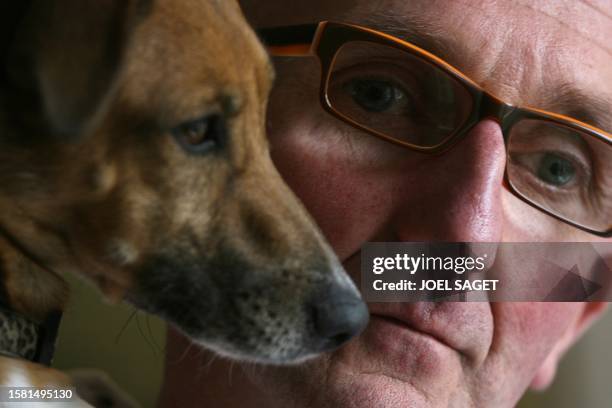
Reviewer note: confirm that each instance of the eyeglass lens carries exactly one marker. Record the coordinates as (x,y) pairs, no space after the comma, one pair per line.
(562,170)
(392,92)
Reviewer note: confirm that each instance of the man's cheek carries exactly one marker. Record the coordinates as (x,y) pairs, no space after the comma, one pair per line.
(540,228)
(533,328)
(348,202)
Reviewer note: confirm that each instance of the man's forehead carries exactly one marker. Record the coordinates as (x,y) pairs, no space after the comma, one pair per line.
(589,19)
(463,25)
(291,11)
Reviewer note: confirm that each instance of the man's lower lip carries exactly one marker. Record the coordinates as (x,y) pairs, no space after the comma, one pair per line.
(398,324)
(406,326)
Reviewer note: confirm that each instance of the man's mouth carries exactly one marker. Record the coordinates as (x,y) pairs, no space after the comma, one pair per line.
(407,325)
(464,328)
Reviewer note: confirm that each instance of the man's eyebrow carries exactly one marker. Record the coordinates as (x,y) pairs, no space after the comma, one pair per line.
(588,108)
(417,31)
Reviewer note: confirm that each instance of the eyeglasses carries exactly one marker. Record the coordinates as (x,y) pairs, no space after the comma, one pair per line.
(403,94)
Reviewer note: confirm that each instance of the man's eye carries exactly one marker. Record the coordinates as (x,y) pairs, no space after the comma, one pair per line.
(202,135)
(555,170)
(374,95)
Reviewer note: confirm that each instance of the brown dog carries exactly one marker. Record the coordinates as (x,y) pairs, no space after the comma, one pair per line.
(132,150)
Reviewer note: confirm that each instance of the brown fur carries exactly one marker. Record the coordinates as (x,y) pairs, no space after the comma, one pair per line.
(93,182)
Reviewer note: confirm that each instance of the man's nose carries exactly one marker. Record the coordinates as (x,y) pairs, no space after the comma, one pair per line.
(459,193)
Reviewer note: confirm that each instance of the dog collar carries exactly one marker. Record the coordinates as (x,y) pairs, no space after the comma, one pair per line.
(23,338)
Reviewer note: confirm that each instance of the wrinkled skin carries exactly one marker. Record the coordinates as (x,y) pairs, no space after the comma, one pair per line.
(360,189)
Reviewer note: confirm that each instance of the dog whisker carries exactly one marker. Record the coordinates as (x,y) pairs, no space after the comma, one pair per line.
(203,368)
(125,325)
(184,355)
(152,336)
(230,372)
(144,336)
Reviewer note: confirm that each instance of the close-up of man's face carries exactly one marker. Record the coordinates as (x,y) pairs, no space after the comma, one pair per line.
(550,55)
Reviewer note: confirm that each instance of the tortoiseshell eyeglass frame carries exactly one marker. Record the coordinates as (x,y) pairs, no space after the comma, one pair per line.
(324,40)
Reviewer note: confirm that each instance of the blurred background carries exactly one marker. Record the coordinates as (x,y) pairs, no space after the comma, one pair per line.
(129,346)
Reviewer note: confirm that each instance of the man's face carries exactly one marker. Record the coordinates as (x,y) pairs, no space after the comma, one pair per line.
(362,189)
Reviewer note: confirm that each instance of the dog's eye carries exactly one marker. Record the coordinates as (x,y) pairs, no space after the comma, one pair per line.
(202,135)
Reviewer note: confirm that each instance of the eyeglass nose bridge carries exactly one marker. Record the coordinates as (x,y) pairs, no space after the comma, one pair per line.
(486,106)
(494,108)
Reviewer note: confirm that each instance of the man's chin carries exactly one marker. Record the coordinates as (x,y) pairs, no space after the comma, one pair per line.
(387,366)
(373,390)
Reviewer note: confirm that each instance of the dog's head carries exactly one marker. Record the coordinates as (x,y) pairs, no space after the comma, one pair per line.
(132,150)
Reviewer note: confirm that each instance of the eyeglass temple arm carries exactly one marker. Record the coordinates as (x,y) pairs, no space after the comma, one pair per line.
(289,41)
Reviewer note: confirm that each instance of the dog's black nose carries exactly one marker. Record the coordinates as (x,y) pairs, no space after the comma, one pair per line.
(338,315)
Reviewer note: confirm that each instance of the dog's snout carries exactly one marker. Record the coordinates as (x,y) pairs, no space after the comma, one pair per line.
(338,315)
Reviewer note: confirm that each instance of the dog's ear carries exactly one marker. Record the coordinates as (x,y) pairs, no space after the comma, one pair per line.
(67,54)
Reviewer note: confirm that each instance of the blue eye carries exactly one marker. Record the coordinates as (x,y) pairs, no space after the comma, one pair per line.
(374,95)
(556,170)
(202,135)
